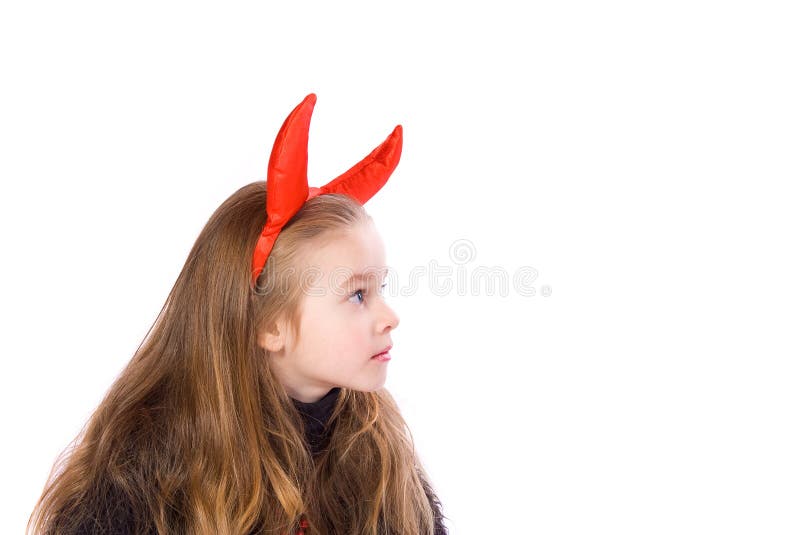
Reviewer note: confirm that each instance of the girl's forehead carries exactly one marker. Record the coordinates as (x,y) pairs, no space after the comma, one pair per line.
(358,248)
(357,251)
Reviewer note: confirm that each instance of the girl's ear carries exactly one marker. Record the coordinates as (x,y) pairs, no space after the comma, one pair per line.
(273,338)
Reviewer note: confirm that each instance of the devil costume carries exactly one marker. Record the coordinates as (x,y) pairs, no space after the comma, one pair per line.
(286,192)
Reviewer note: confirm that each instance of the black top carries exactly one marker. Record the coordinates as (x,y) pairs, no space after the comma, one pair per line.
(315,415)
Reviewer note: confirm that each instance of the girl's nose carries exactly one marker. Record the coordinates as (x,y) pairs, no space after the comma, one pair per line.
(388,319)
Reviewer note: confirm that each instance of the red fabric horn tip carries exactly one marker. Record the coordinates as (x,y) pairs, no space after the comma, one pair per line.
(287,178)
(365,178)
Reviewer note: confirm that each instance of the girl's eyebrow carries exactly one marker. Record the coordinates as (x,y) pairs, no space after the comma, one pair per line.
(368,274)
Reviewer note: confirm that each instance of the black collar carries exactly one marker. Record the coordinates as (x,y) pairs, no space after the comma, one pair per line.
(316,415)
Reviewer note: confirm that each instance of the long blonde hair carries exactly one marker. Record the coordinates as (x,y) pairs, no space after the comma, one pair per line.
(197,436)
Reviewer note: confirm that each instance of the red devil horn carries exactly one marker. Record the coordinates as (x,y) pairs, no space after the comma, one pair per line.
(369,175)
(287,179)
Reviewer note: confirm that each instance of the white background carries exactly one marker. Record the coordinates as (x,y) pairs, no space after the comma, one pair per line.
(641,156)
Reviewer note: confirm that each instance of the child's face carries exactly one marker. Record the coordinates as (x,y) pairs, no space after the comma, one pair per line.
(343,323)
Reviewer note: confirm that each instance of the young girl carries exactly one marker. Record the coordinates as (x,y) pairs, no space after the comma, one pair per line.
(255,404)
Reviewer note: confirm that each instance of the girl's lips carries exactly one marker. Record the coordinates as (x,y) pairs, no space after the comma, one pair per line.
(385,350)
(383,355)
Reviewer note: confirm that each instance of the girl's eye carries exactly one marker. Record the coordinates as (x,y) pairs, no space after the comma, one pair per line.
(359,295)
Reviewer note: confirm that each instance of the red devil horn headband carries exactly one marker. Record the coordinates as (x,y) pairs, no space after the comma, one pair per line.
(287,179)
